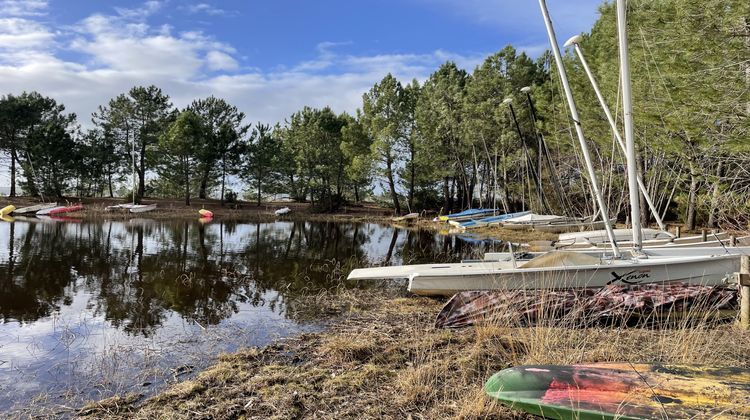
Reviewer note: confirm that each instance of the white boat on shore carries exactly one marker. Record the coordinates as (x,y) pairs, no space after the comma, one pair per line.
(406,218)
(142,208)
(35,208)
(282,211)
(561,270)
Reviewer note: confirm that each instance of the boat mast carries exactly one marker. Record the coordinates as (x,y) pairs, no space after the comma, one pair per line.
(575,42)
(627,106)
(132,168)
(579,130)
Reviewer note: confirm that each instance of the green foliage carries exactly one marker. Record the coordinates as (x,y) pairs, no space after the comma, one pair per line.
(180,148)
(222,142)
(265,161)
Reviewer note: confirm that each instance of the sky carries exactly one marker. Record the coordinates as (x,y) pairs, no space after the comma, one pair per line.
(269,58)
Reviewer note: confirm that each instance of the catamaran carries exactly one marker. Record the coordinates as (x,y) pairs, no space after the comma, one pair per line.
(554,270)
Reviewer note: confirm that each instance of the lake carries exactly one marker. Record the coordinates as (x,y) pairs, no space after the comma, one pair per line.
(90,309)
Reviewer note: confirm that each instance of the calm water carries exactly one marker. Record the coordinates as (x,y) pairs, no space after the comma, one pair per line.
(90,309)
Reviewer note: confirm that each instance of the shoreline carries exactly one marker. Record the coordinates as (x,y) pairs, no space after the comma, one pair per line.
(381,357)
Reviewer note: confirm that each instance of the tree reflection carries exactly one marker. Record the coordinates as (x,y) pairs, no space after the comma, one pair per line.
(137,274)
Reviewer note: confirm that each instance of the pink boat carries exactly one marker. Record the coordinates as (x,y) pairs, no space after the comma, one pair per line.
(68,209)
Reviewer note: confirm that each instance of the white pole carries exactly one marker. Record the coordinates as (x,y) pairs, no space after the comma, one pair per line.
(579,129)
(132,166)
(627,105)
(575,42)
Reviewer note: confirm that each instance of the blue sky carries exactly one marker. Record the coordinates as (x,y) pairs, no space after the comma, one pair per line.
(269,58)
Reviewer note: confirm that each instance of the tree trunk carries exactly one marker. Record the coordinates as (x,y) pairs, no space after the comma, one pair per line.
(446,198)
(392,184)
(187,184)
(142,174)
(413,175)
(713,218)
(13,158)
(204,184)
(690,220)
(223,180)
(259,189)
(109,184)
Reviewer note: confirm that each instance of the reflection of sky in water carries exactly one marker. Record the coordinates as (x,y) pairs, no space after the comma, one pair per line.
(107,307)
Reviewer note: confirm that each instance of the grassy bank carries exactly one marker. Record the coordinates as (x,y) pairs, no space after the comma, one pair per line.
(382,358)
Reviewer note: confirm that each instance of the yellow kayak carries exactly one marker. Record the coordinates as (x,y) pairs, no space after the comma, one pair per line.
(7,210)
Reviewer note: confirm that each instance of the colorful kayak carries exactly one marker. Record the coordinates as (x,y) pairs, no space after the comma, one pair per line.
(34,209)
(65,209)
(7,210)
(206,213)
(624,391)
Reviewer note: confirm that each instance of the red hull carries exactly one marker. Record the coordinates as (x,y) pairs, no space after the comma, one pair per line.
(68,209)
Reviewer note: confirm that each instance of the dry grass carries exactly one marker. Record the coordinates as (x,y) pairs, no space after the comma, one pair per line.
(384,359)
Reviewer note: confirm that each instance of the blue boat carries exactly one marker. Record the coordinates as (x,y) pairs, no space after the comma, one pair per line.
(467,214)
(472,224)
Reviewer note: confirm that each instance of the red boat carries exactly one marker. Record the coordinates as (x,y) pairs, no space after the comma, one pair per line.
(68,209)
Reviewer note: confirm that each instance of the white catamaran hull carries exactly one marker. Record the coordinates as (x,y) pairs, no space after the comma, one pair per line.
(705,270)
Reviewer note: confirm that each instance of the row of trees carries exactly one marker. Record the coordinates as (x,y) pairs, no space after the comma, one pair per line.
(447,143)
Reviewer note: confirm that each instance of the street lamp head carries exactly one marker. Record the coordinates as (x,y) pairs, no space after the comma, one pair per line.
(525,89)
(574,40)
(507,101)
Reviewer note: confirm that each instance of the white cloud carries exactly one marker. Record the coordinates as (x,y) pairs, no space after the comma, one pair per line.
(23,7)
(217,60)
(147,9)
(17,33)
(205,8)
(122,50)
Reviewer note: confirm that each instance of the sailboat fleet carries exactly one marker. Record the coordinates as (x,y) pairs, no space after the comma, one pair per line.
(589,259)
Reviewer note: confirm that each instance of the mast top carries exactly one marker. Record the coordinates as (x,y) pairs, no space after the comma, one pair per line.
(526,89)
(576,39)
(506,101)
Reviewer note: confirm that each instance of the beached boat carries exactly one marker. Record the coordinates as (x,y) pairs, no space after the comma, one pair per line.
(35,208)
(142,208)
(282,211)
(487,221)
(206,213)
(561,270)
(564,270)
(64,209)
(406,218)
(529,220)
(47,211)
(576,226)
(468,215)
(7,210)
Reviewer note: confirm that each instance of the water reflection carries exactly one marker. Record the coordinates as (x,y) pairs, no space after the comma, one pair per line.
(145,281)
